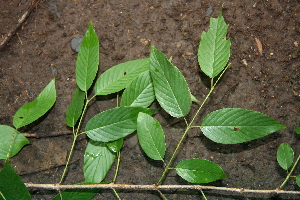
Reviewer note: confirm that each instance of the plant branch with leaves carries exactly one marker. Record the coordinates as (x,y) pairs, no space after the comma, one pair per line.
(143,82)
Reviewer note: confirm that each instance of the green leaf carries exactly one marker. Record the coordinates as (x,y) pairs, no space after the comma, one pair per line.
(75,108)
(194,99)
(298,180)
(235,125)
(140,92)
(88,59)
(116,145)
(151,136)
(114,124)
(97,161)
(118,77)
(199,171)
(7,134)
(214,49)
(31,111)
(11,185)
(285,156)
(171,89)
(297,130)
(77,194)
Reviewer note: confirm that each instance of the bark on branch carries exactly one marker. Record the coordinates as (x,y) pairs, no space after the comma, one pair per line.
(155,187)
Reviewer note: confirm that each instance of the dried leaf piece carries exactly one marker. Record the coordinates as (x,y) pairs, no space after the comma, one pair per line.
(259,46)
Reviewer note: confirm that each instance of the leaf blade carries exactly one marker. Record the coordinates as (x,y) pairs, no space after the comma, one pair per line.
(6,135)
(140,92)
(199,171)
(171,89)
(11,185)
(114,124)
(75,108)
(31,111)
(214,49)
(88,59)
(297,129)
(285,156)
(151,136)
(118,77)
(298,180)
(115,146)
(97,161)
(235,125)
(77,194)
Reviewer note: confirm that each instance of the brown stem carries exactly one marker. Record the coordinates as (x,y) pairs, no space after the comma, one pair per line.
(20,22)
(156,187)
(42,135)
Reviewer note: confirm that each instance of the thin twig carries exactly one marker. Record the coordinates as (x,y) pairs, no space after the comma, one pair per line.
(43,135)
(20,22)
(155,187)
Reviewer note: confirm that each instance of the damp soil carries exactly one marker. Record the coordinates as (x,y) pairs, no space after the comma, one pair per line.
(265,80)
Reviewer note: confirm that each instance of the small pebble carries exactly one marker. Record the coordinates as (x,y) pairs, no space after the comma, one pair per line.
(76,42)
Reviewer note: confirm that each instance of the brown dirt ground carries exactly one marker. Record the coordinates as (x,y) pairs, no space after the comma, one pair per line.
(268,83)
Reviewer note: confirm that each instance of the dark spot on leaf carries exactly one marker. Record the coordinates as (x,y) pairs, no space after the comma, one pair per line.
(125,73)
(236,128)
(21,117)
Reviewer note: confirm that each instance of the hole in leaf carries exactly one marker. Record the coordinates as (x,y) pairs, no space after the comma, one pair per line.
(236,128)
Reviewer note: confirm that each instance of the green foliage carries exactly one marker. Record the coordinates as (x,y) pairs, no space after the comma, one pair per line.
(171,89)
(235,125)
(116,145)
(298,180)
(87,60)
(214,49)
(11,185)
(11,140)
(140,92)
(285,156)
(31,111)
(199,171)
(120,76)
(77,194)
(151,136)
(144,81)
(98,159)
(114,124)
(75,108)
(297,130)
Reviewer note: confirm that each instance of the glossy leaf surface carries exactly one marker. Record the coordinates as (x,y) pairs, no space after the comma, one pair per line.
(7,134)
(88,59)
(140,92)
(31,111)
(235,125)
(116,145)
(75,108)
(151,136)
(199,171)
(285,156)
(214,49)
(11,185)
(97,161)
(118,77)
(171,89)
(114,124)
